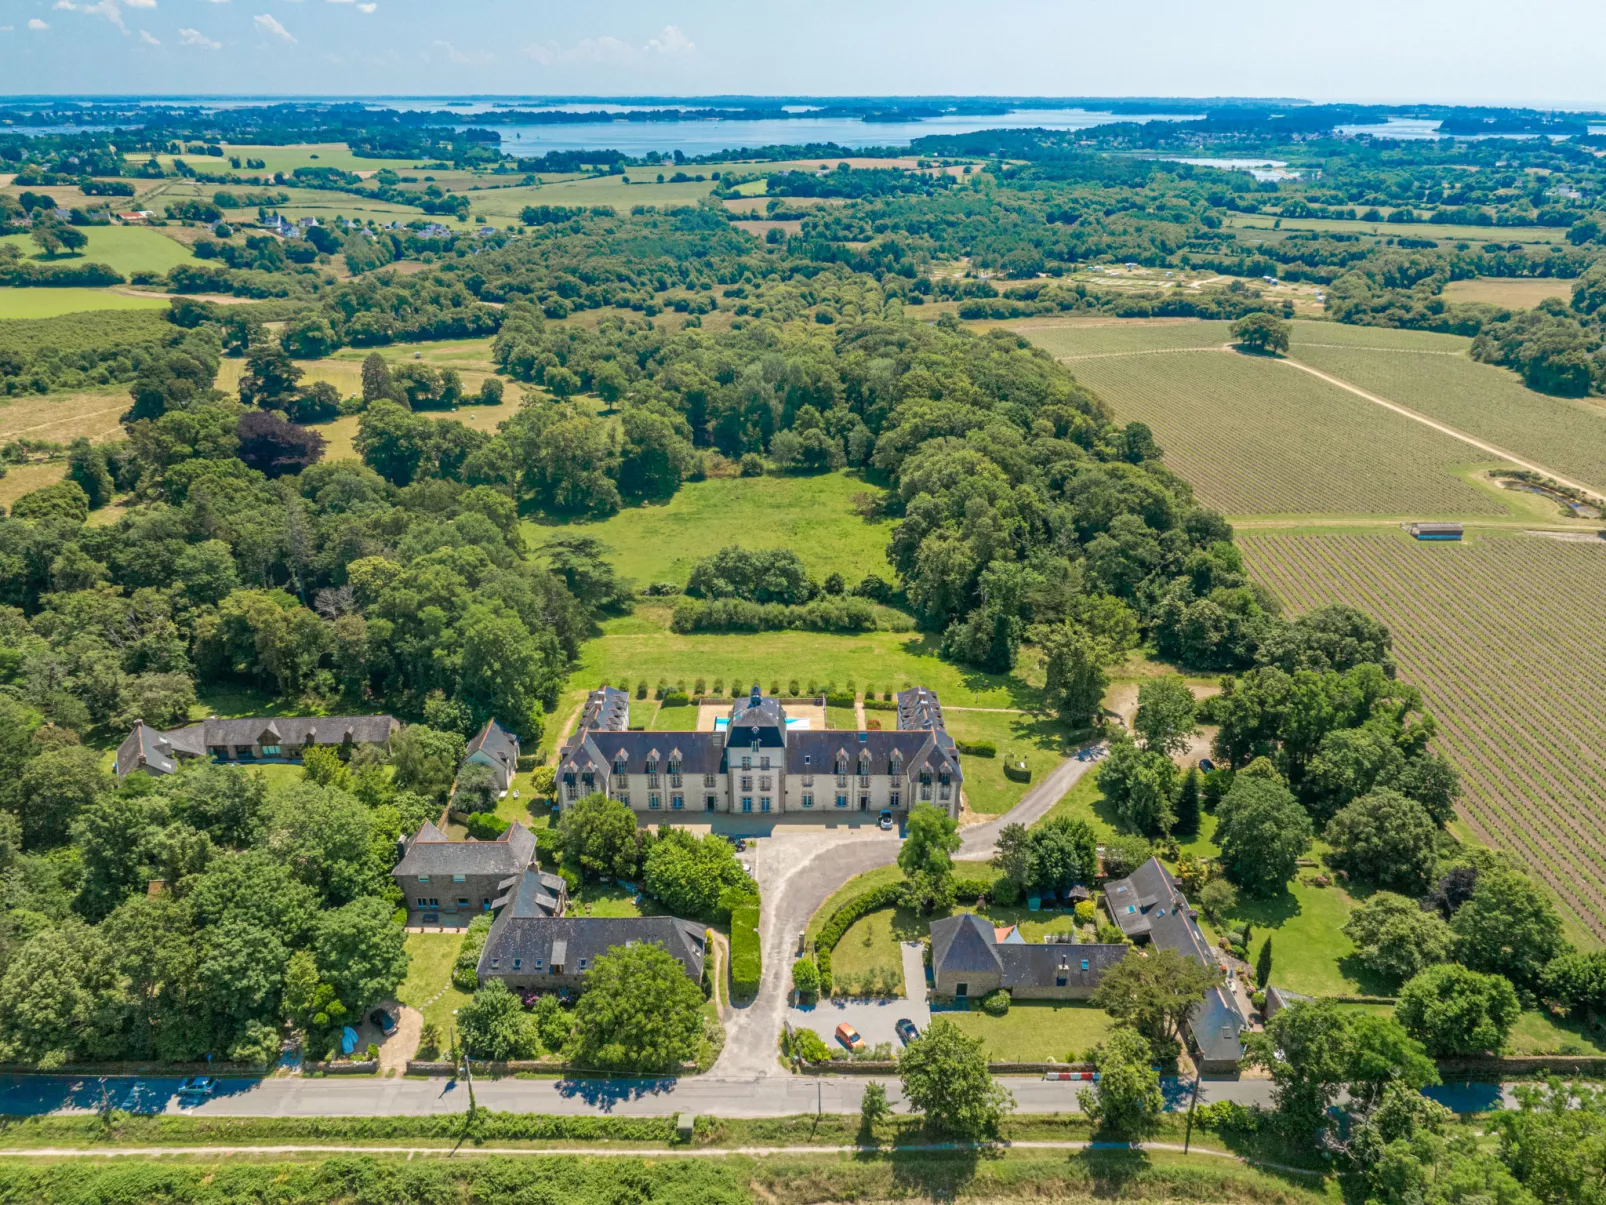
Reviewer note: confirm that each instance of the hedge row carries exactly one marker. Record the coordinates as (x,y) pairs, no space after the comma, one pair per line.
(977,748)
(465,972)
(841,698)
(747,963)
(880,705)
(842,920)
(738,615)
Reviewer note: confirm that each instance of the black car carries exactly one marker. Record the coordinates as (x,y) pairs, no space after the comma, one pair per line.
(906,1030)
(384,1021)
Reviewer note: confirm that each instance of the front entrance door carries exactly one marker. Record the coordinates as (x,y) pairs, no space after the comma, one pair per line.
(864,803)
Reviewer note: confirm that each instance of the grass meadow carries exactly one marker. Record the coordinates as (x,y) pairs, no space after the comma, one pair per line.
(812,515)
(1513,292)
(52,303)
(126,249)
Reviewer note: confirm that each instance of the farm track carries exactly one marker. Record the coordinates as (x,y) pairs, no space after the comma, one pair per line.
(1515,677)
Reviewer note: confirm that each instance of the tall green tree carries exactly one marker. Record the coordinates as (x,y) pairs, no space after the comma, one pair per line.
(1126,1103)
(945,1076)
(639,1012)
(1262,832)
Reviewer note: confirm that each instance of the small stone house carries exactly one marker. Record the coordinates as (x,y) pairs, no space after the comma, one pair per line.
(449,882)
(970,958)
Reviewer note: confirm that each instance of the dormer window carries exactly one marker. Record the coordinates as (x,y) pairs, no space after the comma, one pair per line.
(620,765)
(652,765)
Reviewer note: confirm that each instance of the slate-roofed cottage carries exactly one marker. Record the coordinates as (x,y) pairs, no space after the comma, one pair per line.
(529,948)
(450,882)
(271,739)
(496,747)
(1149,906)
(759,765)
(969,958)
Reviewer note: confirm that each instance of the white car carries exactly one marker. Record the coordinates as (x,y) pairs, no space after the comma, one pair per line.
(885,821)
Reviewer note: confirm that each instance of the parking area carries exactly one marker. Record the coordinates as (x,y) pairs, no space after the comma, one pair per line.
(874,1019)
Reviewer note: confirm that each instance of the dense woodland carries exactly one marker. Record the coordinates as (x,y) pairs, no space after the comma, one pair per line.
(1027,523)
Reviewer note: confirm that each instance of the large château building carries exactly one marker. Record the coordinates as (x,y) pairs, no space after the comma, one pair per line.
(757,763)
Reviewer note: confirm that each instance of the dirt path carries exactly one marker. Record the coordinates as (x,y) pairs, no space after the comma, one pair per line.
(1443,429)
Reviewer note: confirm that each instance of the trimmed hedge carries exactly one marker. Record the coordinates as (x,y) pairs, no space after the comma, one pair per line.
(1017,771)
(465,972)
(841,698)
(978,749)
(677,698)
(840,921)
(880,705)
(747,963)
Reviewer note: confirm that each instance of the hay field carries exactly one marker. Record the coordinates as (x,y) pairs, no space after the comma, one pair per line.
(65,416)
(1566,435)
(1083,338)
(1513,668)
(1517,293)
(1257,437)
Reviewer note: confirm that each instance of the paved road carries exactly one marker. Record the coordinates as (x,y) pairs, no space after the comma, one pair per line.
(335,1096)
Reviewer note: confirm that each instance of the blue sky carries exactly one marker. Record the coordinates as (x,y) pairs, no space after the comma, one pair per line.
(1540,52)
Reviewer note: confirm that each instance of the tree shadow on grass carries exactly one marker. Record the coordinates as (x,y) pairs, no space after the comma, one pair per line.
(1367,980)
(929,644)
(933,1175)
(1269,913)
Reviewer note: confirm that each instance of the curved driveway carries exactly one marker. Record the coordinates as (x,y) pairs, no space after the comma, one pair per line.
(798,869)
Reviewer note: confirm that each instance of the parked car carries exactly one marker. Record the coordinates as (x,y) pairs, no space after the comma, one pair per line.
(849,1036)
(906,1030)
(802,942)
(385,1023)
(198,1085)
(1206,764)
(886,821)
(741,844)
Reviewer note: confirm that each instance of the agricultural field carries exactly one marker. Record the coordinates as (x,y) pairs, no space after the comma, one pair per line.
(52,303)
(1257,437)
(1262,228)
(1499,634)
(1077,339)
(1567,435)
(1513,292)
(126,249)
(63,417)
(288,158)
(814,516)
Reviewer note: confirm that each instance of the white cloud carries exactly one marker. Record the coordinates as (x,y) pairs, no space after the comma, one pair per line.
(140,3)
(146,37)
(65,6)
(36,24)
(463,58)
(194,37)
(268,24)
(7,28)
(367,8)
(671,43)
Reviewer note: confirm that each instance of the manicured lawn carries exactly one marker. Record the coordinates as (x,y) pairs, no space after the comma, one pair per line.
(875,878)
(1309,952)
(1037,1030)
(1043,740)
(125,249)
(813,516)
(1542,1032)
(51,303)
(844,719)
(428,986)
(897,659)
(610,899)
(671,719)
(871,944)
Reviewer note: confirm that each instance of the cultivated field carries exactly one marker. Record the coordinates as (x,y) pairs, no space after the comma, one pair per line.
(1566,435)
(1256,437)
(813,516)
(1501,636)
(63,417)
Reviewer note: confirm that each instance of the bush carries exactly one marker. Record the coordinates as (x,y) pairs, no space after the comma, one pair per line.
(886,705)
(752,465)
(464,971)
(677,698)
(1016,769)
(840,699)
(810,1046)
(747,965)
(996,1003)
(977,749)
(806,978)
(484,827)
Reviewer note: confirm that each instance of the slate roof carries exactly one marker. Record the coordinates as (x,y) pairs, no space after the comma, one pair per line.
(528,934)
(496,741)
(698,752)
(431,853)
(607,709)
(195,739)
(145,746)
(917,748)
(967,944)
(1161,913)
(919,708)
(1279,998)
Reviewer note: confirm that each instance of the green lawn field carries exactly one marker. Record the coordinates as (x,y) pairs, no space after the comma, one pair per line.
(813,516)
(288,158)
(631,648)
(126,249)
(1043,740)
(428,986)
(52,303)
(1037,1030)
